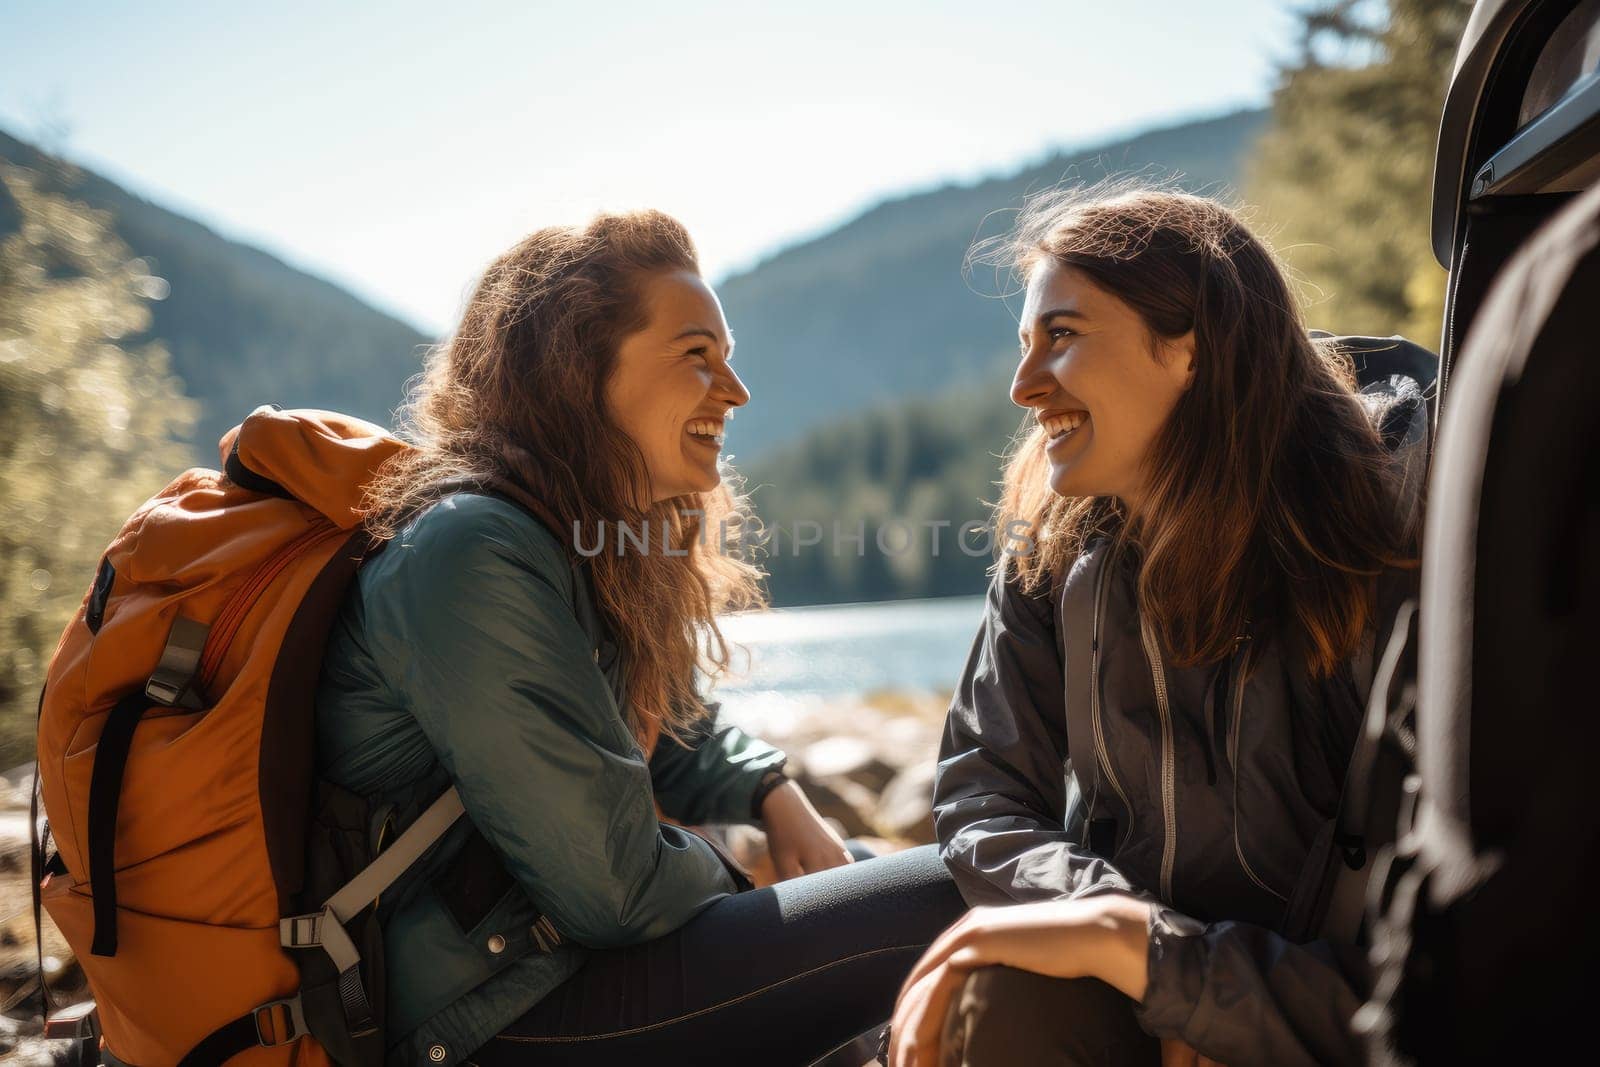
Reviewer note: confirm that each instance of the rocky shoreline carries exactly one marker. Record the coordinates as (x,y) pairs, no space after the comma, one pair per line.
(21,1027)
(866,764)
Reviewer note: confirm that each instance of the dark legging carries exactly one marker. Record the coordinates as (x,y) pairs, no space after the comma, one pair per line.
(779,975)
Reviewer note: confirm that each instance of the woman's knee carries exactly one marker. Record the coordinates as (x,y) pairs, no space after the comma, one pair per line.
(913,886)
(1004,1016)
(928,882)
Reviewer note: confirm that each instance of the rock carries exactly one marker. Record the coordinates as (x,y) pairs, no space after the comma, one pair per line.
(36,1052)
(906,809)
(906,741)
(840,718)
(881,846)
(844,757)
(14,831)
(16,785)
(748,846)
(847,804)
(927,706)
(23,1020)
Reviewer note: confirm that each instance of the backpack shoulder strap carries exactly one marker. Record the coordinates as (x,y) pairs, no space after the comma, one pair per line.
(279,1021)
(398,857)
(1371,802)
(325,927)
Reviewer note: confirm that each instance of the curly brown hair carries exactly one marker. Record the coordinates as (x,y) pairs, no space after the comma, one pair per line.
(518,394)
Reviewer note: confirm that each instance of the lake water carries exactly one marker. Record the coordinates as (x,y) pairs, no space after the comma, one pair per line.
(799,657)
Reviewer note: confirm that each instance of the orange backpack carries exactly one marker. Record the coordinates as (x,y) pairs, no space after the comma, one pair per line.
(175,763)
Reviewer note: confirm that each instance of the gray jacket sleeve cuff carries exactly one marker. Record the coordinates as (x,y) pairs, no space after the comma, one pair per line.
(1242,994)
(1177,961)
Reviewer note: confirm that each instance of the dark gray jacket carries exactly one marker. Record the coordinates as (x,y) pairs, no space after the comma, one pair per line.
(1077,760)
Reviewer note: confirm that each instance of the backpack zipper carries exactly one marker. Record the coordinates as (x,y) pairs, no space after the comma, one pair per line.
(1101,753)
(1169,774)
(233,612)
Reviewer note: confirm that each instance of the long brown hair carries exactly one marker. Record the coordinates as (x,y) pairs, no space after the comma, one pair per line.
(1268,492)
(518,394)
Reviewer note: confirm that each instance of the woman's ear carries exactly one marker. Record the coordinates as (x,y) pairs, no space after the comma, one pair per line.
(1180,359)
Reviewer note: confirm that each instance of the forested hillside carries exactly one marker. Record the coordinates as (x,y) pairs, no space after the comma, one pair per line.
(880,310)
(910,469)
(1344,174)
(93,421)
(243,327)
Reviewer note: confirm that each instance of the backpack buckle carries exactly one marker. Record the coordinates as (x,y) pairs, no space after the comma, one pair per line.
(279,1022)
(301,931)
(171,682)
(323,930)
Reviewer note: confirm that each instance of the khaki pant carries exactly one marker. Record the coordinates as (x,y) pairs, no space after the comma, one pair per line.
(1005,1017)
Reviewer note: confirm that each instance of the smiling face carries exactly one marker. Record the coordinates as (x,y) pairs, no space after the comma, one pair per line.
(1096,381)
(671,388)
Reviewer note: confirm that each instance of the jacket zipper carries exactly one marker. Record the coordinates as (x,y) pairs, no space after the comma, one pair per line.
(1169,791)
(1239,679)
(1100,751)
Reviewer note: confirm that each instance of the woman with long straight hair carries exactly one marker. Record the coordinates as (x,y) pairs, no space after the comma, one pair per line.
(530,634)
(1153,730)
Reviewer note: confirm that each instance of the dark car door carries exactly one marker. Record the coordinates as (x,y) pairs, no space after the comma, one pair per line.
(1519,137)
(1485,935)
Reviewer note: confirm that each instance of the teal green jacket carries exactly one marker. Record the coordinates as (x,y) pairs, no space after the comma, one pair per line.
(470,652)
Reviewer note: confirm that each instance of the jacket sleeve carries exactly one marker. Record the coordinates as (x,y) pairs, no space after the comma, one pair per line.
(480,640)
(1000,793)
(712,773)
(1242,994)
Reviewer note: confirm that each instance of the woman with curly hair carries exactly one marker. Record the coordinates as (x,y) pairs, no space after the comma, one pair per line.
(531,635)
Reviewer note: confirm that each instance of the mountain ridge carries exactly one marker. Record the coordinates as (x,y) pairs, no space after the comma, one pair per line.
(824,320)
(819,323)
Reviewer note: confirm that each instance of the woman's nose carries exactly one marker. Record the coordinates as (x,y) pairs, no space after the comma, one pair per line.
(732,389)
(1032,384)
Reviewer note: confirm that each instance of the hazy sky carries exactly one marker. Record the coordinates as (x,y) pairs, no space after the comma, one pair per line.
(395,148)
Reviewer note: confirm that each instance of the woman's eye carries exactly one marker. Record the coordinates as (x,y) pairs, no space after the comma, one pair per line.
(1058,332)
(699,353)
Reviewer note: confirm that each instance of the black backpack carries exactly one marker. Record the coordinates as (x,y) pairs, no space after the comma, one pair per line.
(1483,936)
(1329,900)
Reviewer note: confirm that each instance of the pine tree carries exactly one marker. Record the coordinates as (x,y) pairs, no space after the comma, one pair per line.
(1344,174)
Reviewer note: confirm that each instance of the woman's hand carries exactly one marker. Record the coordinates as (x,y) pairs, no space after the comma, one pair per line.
(799,839)
(1102,937)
